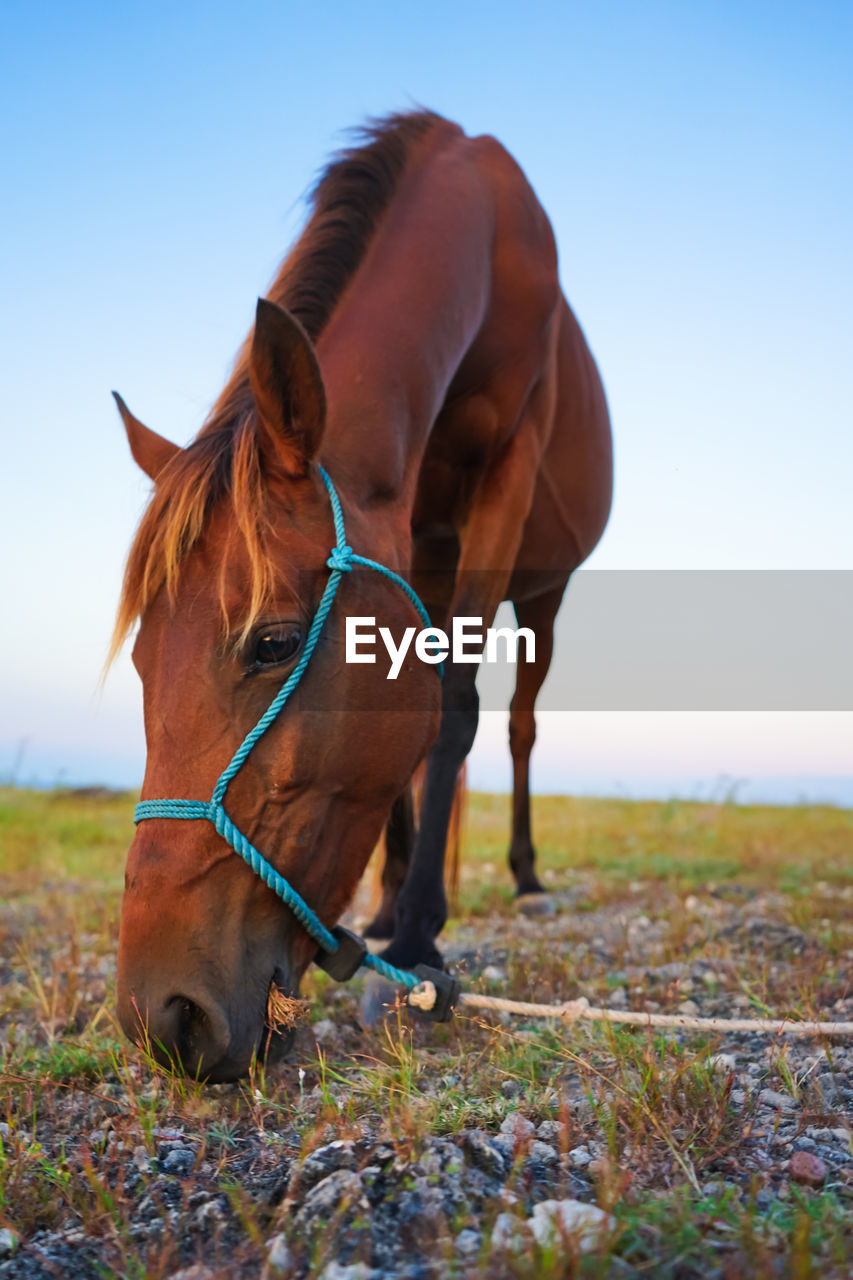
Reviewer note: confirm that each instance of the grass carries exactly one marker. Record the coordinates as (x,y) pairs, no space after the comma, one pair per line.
(731,908)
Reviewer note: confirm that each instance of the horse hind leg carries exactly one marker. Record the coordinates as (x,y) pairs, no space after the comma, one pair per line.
(538,615)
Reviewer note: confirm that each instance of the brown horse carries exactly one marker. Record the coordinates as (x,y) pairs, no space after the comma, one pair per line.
(416,342)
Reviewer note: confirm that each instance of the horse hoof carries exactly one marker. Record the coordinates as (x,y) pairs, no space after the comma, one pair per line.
(535,904)
(379,930)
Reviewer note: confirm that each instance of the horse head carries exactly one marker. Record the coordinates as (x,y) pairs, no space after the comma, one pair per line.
(225,577)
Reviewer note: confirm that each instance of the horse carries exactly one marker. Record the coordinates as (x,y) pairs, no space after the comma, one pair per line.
(416,350)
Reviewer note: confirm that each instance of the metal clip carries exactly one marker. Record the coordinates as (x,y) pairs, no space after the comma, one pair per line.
(347,960)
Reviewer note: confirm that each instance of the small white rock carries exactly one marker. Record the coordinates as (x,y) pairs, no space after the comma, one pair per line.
(553,1219)
(493,974)
(8,1241)
(722,1062)
(325,1031)
(580,1157)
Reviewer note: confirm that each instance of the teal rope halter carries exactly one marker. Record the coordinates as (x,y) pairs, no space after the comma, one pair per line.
(332,943)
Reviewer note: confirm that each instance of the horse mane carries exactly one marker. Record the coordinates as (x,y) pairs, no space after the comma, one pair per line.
(224,460)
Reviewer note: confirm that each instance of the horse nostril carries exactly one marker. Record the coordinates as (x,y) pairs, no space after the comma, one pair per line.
(193,1038)
(192,1022)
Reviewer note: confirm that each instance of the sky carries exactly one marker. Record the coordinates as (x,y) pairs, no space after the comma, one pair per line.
(695,160)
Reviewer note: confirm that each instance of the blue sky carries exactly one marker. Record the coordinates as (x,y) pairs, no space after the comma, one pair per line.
(695,161)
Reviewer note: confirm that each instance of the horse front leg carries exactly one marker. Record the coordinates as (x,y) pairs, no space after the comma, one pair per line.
(422,903)
(399,842)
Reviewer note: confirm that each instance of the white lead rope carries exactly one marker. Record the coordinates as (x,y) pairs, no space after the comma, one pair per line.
(575,1010)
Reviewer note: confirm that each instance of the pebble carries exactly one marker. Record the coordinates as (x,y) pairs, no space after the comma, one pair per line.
(580,1157)
(550,1131)
(778,1101)
(722,1062)
(493,974)
(517,1126)
(689,1008)
(807,1168)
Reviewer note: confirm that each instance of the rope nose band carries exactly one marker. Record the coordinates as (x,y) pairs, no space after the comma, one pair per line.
(341,560)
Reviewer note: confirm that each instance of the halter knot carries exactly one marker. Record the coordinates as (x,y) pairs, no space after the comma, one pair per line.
(341,559)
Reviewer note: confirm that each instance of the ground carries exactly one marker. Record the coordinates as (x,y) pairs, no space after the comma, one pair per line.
(406,1149)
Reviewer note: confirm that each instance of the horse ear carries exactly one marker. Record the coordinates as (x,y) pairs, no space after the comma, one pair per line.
(150,451)
(288,388)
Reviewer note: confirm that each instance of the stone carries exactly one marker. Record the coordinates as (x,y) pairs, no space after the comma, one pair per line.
(550,1131)
(325,1198)
(468,1242)
(579,1157)
(542,1153)
(510,1234)
(8,1241)
(279,1256)
(484,1153)
(355,1271)
(198,1271)
(554,1219)
(722,1062)
(321,1162)
(325,1032)
(535,904)
(179,1161)
(517,1127)
(494,974)
(808,1169)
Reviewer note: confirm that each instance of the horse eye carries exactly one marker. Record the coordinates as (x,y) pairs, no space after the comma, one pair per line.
(276,646)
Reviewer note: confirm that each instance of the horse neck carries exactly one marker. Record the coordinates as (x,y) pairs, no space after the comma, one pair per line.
(399,333)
